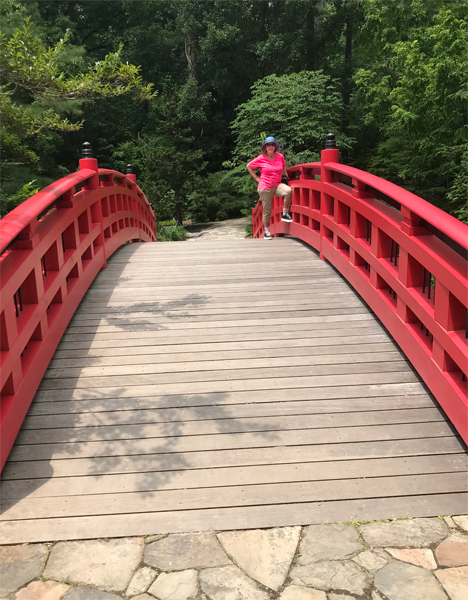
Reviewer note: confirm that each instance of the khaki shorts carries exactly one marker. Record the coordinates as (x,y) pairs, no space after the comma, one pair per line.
(266,196)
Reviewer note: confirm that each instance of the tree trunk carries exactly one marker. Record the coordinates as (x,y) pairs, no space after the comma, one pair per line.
(310,38)
(178,212)
(71,10)
(264,33)
(347,75)
(191,55)
(347,62)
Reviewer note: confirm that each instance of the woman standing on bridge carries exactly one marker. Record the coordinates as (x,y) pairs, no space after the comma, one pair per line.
(272,169)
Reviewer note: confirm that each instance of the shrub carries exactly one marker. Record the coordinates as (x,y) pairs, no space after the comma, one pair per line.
(172,233)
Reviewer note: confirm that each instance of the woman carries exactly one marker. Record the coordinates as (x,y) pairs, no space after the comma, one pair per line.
(272,168)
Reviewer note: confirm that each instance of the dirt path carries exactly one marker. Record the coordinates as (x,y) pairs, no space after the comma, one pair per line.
(221,230)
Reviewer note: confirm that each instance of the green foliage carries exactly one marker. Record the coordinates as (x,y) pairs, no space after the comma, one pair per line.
(9,202)
(413,95)
(166,154)
(173,233)
(36,91)
(215,199)
(388,78)
(298,109)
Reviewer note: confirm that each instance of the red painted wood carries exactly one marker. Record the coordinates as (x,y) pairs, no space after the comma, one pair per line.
(52,247)
(343,216)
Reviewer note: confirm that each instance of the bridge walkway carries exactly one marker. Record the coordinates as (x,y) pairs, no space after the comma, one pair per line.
(226,385)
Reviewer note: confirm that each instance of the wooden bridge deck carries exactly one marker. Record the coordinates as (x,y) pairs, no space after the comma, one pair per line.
(226,385)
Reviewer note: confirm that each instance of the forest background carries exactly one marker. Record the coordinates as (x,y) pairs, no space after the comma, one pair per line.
(389,78)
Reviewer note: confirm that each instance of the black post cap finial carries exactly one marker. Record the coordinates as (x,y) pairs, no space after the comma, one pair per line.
(86,150)
(129,170)
(330,142)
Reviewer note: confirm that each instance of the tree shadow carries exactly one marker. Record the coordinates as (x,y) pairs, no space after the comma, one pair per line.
(60,460)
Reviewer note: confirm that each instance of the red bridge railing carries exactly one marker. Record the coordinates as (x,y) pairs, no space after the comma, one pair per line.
(406,258)
(52,247)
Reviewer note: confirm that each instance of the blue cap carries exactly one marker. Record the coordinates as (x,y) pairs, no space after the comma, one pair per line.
(270,140)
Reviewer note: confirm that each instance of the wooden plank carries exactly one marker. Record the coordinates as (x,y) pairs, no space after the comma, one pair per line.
(205,285)
(214,365)
(159,316)
(375,344)
(74,414)
(206,387)
(223,339)
(233,476)
(249,495)
(224,375)
(196,302)
(226,302)
(308,284)
(43,470)
(369,397)
(269,321)
(227,328)
(261,423)
(41,530)
(130,323)
(227,441)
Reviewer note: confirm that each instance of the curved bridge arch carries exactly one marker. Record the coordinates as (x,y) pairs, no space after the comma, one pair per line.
(52,247)
(405,257)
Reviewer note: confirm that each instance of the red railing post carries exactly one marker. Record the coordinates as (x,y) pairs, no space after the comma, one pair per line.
(131,175)
(87,161)
(330,154)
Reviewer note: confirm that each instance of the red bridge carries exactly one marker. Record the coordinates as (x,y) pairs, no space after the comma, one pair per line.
(235,384)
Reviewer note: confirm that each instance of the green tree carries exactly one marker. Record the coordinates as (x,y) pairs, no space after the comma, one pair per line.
(36,93)
(412,95)
(165,156)
(298,109)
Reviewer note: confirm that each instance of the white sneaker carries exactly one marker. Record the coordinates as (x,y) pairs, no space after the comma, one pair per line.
(286,218)
(268,236)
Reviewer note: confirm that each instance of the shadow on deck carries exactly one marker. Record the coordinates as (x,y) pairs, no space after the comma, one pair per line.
(226,385)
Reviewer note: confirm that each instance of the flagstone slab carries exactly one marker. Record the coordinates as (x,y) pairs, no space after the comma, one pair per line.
(82,593)
(141,581)
(421,557)
(453,552)
(454,581)
(297,592)
(230,583)
(328,542)
(107,565)
(43,590)
(450,522)
(332,575)
(264,554)
(462,521)
(411,533)
(340,597)
(19,565)
(371,561)
(182,551)
(401,581)
(181,585)
(155,538)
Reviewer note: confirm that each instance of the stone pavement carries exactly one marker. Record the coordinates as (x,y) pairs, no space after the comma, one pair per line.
(400,559)
(220,230)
